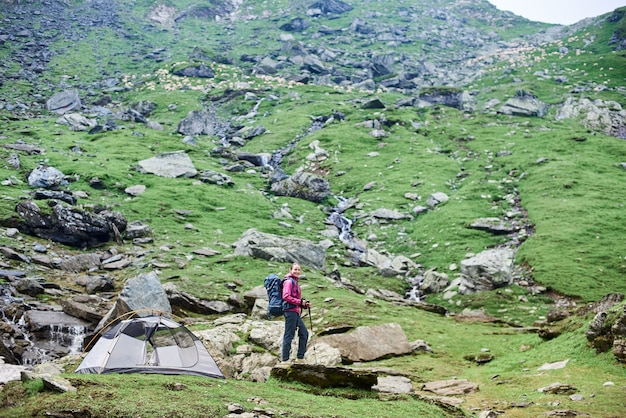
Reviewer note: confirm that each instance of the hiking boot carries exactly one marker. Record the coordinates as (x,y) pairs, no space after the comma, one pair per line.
(299,361)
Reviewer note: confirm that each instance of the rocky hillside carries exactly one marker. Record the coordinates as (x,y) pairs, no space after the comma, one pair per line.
(441,159)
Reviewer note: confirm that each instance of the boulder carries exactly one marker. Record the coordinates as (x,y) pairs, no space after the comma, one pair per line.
(143,294)
(326,377)
(188,302)
(46,177)
(213,177)
(451,387)
(169,165)
(494,226)
(447,96)
(436,199)
(488,270)
(524,104)
(63,102)
(81,311)
(370,343)
(331,6)
(80,262)
(558,388)
(434,282)
(197,122)
(303,185)
(70,226)
(280,249)
(77,122)
(596,327)
(393,384)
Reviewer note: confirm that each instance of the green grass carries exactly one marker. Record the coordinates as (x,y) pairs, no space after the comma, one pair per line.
(116,396)
(573,202)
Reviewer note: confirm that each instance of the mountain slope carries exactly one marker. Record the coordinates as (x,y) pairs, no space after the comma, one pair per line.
(342,94)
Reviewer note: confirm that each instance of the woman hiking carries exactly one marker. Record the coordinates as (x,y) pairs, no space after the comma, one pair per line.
(292,304)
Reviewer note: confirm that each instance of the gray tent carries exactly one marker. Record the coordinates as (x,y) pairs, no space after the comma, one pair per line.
(152,344)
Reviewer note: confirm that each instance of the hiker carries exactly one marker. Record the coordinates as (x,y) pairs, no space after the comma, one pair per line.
(293,302)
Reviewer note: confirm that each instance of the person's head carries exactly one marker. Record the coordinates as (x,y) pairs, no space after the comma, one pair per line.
(295,270)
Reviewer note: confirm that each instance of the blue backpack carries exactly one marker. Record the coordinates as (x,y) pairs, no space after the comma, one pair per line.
(274,286)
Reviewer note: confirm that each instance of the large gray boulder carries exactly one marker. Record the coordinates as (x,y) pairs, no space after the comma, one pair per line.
(169,164)
(69,226)
(524,104)
(303,185)
(447,96)
(143,295)
(63,102)
(370,343)
(197,122)
(77,122)
(487,270)
(46,177)
(597,115)
(280,249)
(387,266)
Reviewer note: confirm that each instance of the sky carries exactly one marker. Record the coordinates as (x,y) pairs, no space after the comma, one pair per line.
(563,12)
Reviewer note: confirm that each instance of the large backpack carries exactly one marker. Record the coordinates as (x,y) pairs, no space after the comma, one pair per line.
(274,286)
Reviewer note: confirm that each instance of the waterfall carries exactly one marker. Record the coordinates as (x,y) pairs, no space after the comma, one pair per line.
(71,336)
(47,343)
(414,293)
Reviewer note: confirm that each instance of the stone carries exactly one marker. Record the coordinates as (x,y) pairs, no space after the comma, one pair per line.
(554,366)
(558,388)
(197,122)
(303,185)
(46,177)
(487,270)
(65,101)
(370,343)
(280,249)
(436,199)
(450,387)
(326,377)
(393,384)
(169,165)
(143,294)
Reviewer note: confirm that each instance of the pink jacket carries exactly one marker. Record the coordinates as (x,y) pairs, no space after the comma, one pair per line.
(292,293)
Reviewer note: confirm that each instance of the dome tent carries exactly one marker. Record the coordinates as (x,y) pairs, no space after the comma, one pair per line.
(152,344)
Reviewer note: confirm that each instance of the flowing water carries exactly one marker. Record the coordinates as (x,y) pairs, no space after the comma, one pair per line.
(29,347)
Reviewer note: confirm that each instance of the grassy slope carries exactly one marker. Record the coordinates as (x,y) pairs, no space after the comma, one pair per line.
(573,200)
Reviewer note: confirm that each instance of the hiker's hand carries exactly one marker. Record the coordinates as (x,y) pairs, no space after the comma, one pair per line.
(306,303)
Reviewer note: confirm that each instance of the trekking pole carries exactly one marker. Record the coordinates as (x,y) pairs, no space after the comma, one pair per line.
(311,322)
